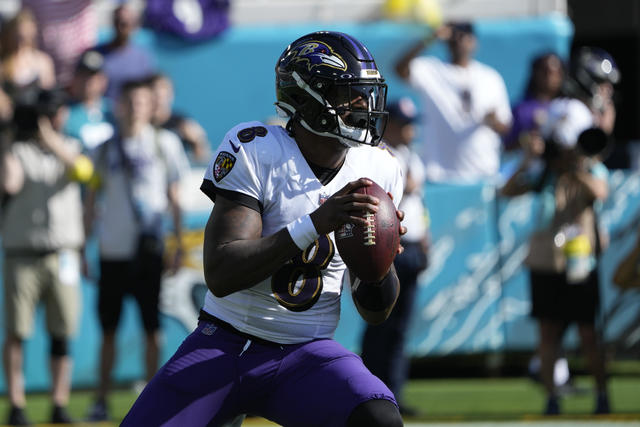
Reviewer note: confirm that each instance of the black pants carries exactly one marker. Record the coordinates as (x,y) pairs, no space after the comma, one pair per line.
(552,297)
(139,277)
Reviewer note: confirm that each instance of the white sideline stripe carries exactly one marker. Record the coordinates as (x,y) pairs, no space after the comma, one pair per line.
(531,424)
(524,423)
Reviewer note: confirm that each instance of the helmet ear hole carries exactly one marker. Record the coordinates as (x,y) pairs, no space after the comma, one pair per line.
(325,122)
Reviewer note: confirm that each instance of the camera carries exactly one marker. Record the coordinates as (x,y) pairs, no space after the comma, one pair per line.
(593,141)
(32,103)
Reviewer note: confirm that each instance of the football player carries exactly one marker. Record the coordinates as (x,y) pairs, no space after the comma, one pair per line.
(264,341)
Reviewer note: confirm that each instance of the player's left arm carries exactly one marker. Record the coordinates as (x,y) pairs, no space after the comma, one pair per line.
(375,300)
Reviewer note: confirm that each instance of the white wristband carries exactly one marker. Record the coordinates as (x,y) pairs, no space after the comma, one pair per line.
(302,232)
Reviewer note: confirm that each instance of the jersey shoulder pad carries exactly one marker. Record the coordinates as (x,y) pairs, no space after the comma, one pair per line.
(252,144)
(249,136)
(247,132)
(380,155)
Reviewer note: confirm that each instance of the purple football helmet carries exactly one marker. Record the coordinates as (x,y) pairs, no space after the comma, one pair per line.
(329,83)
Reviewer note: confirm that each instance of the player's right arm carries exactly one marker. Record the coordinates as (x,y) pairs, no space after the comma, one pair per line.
(237,256)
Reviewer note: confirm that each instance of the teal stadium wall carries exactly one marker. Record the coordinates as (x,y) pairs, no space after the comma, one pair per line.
(473,298)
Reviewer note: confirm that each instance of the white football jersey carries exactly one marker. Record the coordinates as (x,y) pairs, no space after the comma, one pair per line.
(265,165)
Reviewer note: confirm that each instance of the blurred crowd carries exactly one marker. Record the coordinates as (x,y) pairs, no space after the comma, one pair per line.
(89,145)
(89,136)
(552,142)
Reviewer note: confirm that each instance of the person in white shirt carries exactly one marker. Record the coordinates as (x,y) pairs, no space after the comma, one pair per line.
(465,107)
(139,170)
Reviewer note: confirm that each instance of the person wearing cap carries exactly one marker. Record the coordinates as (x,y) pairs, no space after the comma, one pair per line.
(565,168)
(465,106)
(383,345)
(42,236)
(90,114)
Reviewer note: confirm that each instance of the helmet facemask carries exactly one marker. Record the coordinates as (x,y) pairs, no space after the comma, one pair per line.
(351,111)
(358,108)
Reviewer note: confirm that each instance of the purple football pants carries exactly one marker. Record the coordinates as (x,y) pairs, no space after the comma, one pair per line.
(217,374)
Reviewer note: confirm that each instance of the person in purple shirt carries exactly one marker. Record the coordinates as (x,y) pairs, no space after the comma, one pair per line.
(123,59)
(545,83)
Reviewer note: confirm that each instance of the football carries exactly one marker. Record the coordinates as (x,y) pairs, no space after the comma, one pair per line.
(369,250)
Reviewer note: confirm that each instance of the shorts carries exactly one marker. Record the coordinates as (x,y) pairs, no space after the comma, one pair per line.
(53,278)
(140,280)
(553,298)
(217,374)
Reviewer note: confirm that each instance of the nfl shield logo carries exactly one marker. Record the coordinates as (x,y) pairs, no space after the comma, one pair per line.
(345,231)
(323,198)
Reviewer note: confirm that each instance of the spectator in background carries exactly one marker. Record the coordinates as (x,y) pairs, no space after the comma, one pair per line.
(545,84)
(41,238)
(383,345)
(563,252)
(67,28)
(90,116)
(193,137)
(529,115)
(593,75)
(23,63)
(123,59)
(138,172)
(465,107)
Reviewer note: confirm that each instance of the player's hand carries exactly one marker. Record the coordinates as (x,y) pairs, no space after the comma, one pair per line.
(343,207)
(403,229)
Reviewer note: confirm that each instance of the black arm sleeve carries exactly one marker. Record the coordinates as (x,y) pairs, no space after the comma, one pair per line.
(375,300)
(211,191)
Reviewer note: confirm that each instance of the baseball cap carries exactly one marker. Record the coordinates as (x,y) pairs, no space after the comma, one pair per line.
(403,110)
(567,119)
(462,26)
(90,61)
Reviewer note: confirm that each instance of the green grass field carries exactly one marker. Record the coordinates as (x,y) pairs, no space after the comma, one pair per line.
(438,401)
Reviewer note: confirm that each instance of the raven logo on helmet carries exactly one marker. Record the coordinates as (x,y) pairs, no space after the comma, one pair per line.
(316,53)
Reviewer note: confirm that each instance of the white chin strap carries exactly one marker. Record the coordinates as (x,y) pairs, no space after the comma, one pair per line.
(344,141)
(361,136)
